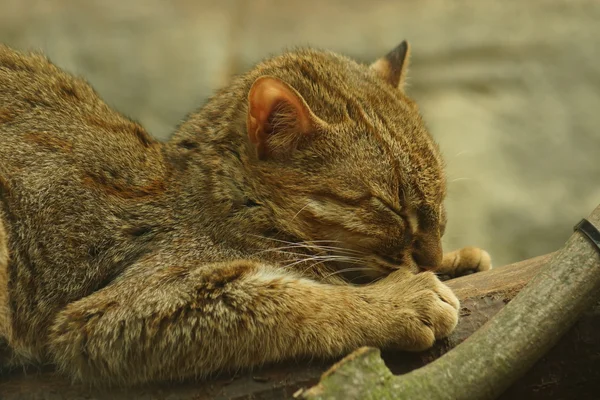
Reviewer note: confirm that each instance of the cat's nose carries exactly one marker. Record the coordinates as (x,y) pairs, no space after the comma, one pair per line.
(428,254)
(427,260)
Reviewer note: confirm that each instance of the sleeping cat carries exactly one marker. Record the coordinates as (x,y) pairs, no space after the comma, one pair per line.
(292,216)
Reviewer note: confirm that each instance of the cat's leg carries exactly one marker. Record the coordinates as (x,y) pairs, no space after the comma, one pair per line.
(183,322)
(464,261)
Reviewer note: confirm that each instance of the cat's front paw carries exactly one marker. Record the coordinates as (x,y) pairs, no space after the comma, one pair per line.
(425,309)
(464,261)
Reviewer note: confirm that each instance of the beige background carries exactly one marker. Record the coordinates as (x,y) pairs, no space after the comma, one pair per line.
(510,89)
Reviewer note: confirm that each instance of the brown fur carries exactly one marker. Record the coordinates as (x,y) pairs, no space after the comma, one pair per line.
(125,260)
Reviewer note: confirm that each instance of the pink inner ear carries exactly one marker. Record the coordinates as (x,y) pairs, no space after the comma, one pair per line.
(266,94)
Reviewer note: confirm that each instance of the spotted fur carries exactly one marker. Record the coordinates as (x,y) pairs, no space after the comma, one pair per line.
(240,241)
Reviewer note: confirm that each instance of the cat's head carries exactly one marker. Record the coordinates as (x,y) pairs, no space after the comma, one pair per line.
(343,159)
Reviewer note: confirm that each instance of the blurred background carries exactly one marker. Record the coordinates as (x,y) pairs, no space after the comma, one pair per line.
(510,89)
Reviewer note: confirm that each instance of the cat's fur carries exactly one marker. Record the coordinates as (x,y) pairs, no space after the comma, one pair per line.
(125,260)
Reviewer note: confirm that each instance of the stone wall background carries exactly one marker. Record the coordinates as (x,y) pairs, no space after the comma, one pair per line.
(510,89)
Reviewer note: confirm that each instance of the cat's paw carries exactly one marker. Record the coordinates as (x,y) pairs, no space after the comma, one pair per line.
(425,309)
(464,261)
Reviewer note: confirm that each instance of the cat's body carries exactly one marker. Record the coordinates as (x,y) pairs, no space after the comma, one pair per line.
(127,260)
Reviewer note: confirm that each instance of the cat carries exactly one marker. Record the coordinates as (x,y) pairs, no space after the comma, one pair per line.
(295,215)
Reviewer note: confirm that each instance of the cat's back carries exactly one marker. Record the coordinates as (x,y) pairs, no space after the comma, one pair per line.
(62,147)
(51,118)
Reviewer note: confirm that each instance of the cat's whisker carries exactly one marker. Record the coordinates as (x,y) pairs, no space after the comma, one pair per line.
(461,179)
(302,209)
(301,257)
(341,271)
(322,248)
(362,276)
(462,152)
(284,253)
(282,250)
(326,258)
(313,244)
(321,263)
(378,279)
(308,259)
(288,242)
(341,250)
(311,266)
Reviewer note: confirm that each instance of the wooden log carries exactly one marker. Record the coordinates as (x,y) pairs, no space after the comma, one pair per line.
(569,368)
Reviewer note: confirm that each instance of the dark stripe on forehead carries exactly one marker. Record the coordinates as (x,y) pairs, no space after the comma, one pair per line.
(365,116)
(414,154)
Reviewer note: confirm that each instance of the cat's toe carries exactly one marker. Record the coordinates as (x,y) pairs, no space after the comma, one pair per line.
(431,313)
(465,261)
(485,262)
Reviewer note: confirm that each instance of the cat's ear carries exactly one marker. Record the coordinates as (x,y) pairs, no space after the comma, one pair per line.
(394,65)
(278,117)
